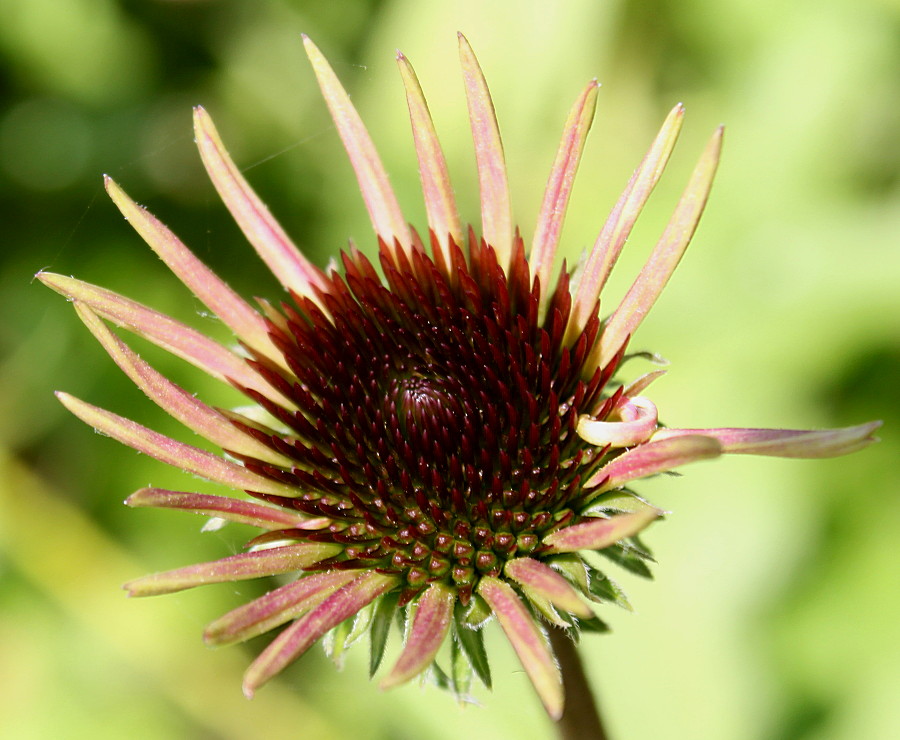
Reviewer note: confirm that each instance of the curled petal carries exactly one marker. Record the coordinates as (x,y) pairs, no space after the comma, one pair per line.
(496,212)
(232,509)
(430,625)
(276,607)
(164,331)
(654,457)
(527,640)
(440,205)
(559,187)
(639,419)
(621,220)
(190,459)
(535,575)
(599,533)
(177,402)
(384,211)
(240,567)
(785,442)
(664,259)
(292,642)
(246,323)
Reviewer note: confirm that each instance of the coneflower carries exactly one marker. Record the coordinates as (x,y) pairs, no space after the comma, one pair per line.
(442,436)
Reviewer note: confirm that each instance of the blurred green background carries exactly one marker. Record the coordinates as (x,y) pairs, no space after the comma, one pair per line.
(776,608)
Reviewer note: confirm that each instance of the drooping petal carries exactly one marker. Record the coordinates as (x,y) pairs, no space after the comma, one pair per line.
(235,313)
(785,442)
(164,331)
(276,607)
(240,567)
(664,259)
(232,509)
(535,575)
(440,204)
(296,639)
(621,220)
(639,420)
(559,187)
(430,625)
(384,210)
(190,459)
(264,233)
(600,533)
(177,402)
(527,640)
(496,211)
(654,457)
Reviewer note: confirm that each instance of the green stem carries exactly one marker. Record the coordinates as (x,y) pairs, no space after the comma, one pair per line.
(580,720)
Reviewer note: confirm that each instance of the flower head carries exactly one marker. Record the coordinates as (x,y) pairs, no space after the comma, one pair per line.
(447,438)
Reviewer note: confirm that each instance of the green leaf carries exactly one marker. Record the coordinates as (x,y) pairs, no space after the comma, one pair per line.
(379,629)
(472,643)
(629,559)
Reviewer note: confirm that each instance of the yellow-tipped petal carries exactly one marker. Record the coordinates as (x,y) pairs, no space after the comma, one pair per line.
(440,204)
(496,211)
(384,210)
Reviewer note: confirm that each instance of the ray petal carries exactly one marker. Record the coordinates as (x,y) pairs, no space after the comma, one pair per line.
(164,331)
(664,259)
(496,211)
(599,533)
(654,457)
(292,642)
(232,509)
(559,187)
(430,625)
(264,233)
(384,210)
(235,313)
(178,454)
(621,220)
(240,567)
(638,422)
(276,607)
(785,442)
(527,640)
(440,204)
(174,400)
(535,575)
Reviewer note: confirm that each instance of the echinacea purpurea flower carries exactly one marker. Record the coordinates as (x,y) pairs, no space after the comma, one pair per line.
(447,439)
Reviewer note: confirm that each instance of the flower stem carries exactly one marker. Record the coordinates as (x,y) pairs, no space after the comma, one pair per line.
(580,720)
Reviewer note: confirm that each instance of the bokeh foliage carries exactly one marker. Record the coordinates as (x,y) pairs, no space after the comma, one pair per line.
(775,610)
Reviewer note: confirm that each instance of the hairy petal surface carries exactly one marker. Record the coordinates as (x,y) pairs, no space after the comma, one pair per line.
(600,533)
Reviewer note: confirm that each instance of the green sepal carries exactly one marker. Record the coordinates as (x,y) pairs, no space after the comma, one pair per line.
(379,629)
(573,567)
(476,613)
(461,671)
(603,588)
(594,624)
(618,501)
(471,641)
(336,641)
(628,558)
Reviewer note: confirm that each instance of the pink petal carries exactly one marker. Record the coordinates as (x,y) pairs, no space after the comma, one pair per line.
(164,331)
(599,533)
(443,217)
(237,315)
(785,442)
(664,259)
(640,384)
(429,628)
(240,567)
(535,575)
(384,211)
(276,607)
(527,640)
(190,459)
(654,457)
(273,245)
(620,222)
(232,509)
(639,419)
(177,402)
(559,187)
(296,639)
(496,213)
